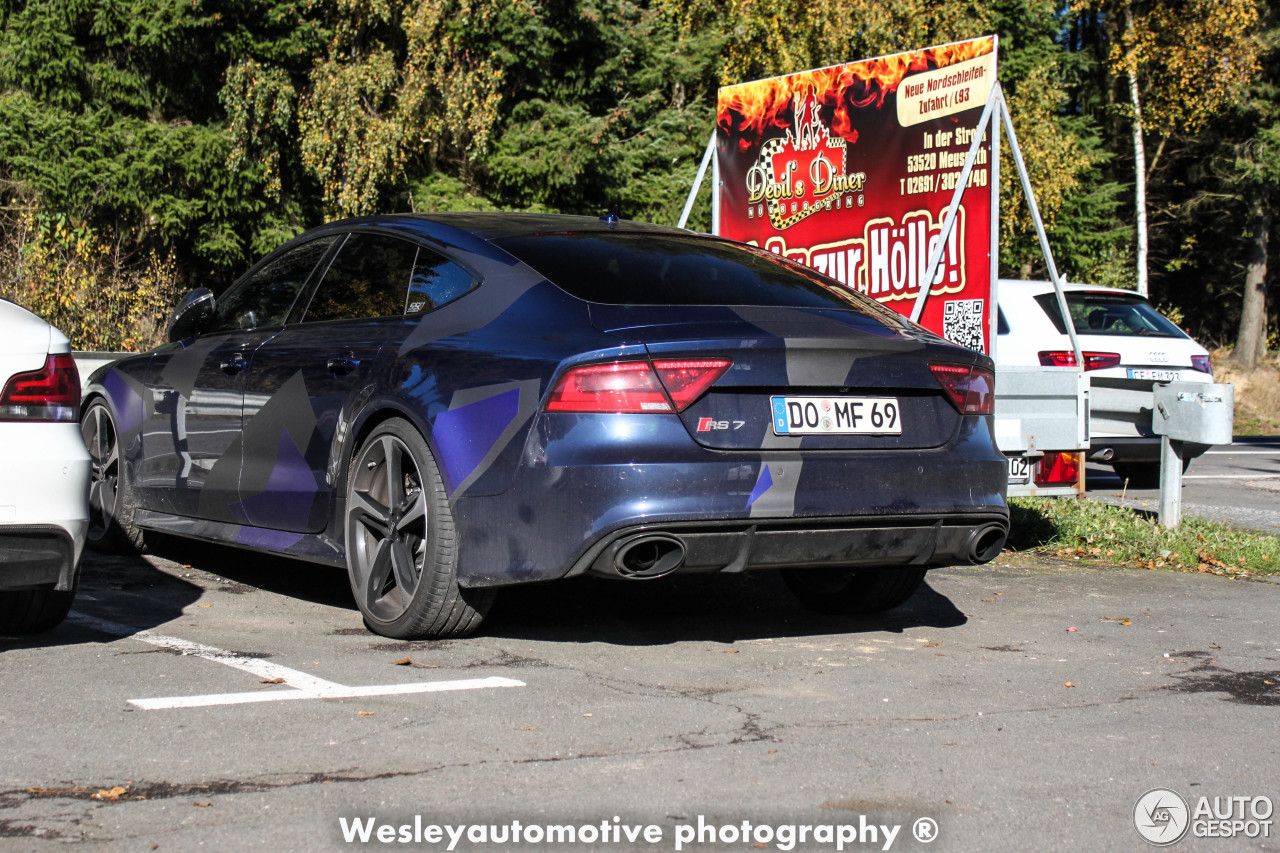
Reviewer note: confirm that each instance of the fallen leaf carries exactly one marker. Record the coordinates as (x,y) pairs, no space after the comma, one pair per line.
(1126,622)
(272,681)
(365,713)
(988,599)
(1067,684)
(586,715)
(204,605)
(402,662)
(526,728)
(729,651)
(111,793)
(1072,630)
(202,805)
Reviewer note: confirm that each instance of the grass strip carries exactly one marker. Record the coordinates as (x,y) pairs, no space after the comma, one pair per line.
(1071,527)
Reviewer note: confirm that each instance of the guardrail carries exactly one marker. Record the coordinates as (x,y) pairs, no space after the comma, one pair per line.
(88,362)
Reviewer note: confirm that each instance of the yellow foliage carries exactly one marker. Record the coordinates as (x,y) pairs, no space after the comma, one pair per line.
(1192,56)
(84,285)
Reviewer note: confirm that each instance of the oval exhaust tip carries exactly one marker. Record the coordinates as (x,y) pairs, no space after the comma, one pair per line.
(986,543)
(649,556)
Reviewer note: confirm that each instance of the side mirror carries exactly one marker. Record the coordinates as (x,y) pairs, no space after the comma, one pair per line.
(192,315)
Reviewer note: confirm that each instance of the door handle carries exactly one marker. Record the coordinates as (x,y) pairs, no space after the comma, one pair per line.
(234,365)
(339,365)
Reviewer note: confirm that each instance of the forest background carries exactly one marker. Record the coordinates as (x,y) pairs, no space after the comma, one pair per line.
(149,146)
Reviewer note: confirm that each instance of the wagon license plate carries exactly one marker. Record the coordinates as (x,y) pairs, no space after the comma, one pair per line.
(1155,375)
(836,416)
(1019,470)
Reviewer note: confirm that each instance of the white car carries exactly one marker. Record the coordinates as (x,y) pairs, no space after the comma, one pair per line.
(1128,347)
(44,474)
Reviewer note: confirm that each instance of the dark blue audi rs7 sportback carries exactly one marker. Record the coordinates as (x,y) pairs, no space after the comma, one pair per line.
(448,404)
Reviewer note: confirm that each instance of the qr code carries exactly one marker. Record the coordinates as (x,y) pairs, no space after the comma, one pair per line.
(962,322)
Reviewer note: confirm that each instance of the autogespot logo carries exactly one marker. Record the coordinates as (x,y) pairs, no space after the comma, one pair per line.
(1161,816)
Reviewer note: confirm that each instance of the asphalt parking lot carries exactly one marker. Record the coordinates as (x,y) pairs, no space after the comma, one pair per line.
(155,718)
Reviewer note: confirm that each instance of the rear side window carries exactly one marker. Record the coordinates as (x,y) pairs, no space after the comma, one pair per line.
(380,276)
(436,281)
(661,269)
(369,278)
(1099,313)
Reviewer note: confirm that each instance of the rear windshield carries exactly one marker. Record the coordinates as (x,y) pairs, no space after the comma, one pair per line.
(672,269)
(1099,313)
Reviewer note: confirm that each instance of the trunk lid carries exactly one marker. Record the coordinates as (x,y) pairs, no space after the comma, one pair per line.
(844,368)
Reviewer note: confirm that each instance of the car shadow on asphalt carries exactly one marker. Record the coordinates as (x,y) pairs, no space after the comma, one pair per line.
(706,608)
(236,570)
(126,591)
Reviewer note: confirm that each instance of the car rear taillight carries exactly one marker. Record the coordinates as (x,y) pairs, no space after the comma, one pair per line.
(49,394)
(636,387)
(970,388)
(688,380)
(1092,360)
(620,387)
(1201,363)
(1058,469)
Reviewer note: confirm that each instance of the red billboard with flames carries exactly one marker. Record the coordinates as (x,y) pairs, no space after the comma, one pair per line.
(850,170)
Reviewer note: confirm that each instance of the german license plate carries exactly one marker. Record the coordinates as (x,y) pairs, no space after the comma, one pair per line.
(1153,374)
(1019,470)
(836,416)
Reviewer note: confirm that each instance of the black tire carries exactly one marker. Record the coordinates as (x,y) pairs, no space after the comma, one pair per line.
(853,591)
(112,502)
(33,611)
(1142,475)
(402,552)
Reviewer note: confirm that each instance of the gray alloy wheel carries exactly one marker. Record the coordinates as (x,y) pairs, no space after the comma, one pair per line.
(111,503)
(853,591)
(401,549)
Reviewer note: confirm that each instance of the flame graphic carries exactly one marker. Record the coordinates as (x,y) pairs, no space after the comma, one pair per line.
(748,110)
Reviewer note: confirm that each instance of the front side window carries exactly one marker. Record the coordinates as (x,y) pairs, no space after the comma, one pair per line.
(265,297)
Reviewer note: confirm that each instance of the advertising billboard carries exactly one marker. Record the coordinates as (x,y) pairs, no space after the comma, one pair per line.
(850,170)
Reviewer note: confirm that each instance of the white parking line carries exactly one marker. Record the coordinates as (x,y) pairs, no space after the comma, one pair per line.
(1241,453)
(1230,476)
(1102,476)
(300,685)
(338,691)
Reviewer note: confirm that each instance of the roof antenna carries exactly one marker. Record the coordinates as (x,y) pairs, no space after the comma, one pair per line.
(611,218)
